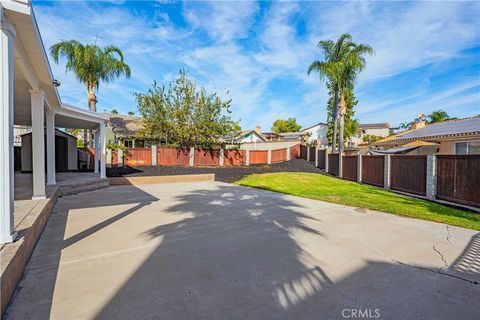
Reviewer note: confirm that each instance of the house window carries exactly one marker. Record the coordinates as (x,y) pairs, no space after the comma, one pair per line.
(128,143)
(467,147)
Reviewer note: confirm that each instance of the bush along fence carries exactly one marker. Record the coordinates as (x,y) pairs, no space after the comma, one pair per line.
(163,156)
(452,178)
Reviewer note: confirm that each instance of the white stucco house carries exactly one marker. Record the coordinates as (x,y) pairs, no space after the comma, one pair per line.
(375,129)
(317,134)
(29,97)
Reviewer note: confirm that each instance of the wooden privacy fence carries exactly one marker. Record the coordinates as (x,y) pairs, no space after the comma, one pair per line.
(258,156)
(457,176)
(138,157)
(321,159)
(172,157)
(311,151)
(409,174)
(333,164)
(458,179)
(235,158)
(350,168)
(206,157)
(373,170)
(303,152)
(295,152)
(279,155)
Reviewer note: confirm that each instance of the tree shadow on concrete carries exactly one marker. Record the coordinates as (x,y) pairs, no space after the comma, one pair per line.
(236,257)
(233,255)
(468,263)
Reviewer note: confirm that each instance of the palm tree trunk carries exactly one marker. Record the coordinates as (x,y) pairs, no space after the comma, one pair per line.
(335,121)
(340,146)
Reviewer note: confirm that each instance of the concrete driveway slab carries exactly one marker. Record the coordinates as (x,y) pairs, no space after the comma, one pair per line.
(216,251)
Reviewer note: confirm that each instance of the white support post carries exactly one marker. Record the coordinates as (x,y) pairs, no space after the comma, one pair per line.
(340,164)
(154,155)
(38,143)
(103,166)
(97,150)
(288,154)
(191,158)
(269,156)
(316,157)
(7,38)
(247,158)
(120,158)
(222,157)
(386,173)
(359,168)
(308,153)
(431,186)
(50,133)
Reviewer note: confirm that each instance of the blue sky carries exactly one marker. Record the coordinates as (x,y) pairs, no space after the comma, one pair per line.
(427,53)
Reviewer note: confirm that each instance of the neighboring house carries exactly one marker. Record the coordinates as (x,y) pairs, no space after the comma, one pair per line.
(317,134)
(29,97)
(453,137)
(66,155)
(248,136)
(375,129)
(123,129)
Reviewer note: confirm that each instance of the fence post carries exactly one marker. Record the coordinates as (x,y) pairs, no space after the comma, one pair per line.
(386,172)
(340,165)
(154,155)
(359,168)
(326,160)
(269,156)
(431,176)
(120,157)
(288,153)
(316,157)
(191,157)
(247,158)
(222,157)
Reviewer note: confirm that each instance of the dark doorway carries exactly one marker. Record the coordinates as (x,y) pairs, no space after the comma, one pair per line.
(61,154)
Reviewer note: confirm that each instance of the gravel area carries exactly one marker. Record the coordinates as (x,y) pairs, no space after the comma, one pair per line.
(224,174)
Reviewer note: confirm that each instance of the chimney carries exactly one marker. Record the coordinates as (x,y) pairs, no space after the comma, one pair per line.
(258,129)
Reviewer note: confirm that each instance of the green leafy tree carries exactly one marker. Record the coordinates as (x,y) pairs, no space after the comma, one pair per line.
(289,125)
(91,65)
(131,113)
(344,60)
(371,138)
(438,116)
(183,115)
(114,111)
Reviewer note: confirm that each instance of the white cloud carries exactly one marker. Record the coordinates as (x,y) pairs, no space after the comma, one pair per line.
(246,47)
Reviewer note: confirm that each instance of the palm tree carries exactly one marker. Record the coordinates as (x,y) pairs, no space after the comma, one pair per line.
(438,116)
(333,52)
(91,65)
(344,60)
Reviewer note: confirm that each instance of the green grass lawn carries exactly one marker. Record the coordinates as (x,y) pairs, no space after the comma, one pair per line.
(326,188)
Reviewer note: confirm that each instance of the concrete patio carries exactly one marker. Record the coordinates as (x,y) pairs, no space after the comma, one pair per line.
(214,250)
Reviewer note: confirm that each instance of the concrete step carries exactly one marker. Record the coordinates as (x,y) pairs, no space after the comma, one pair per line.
(83,186)
(162,179)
